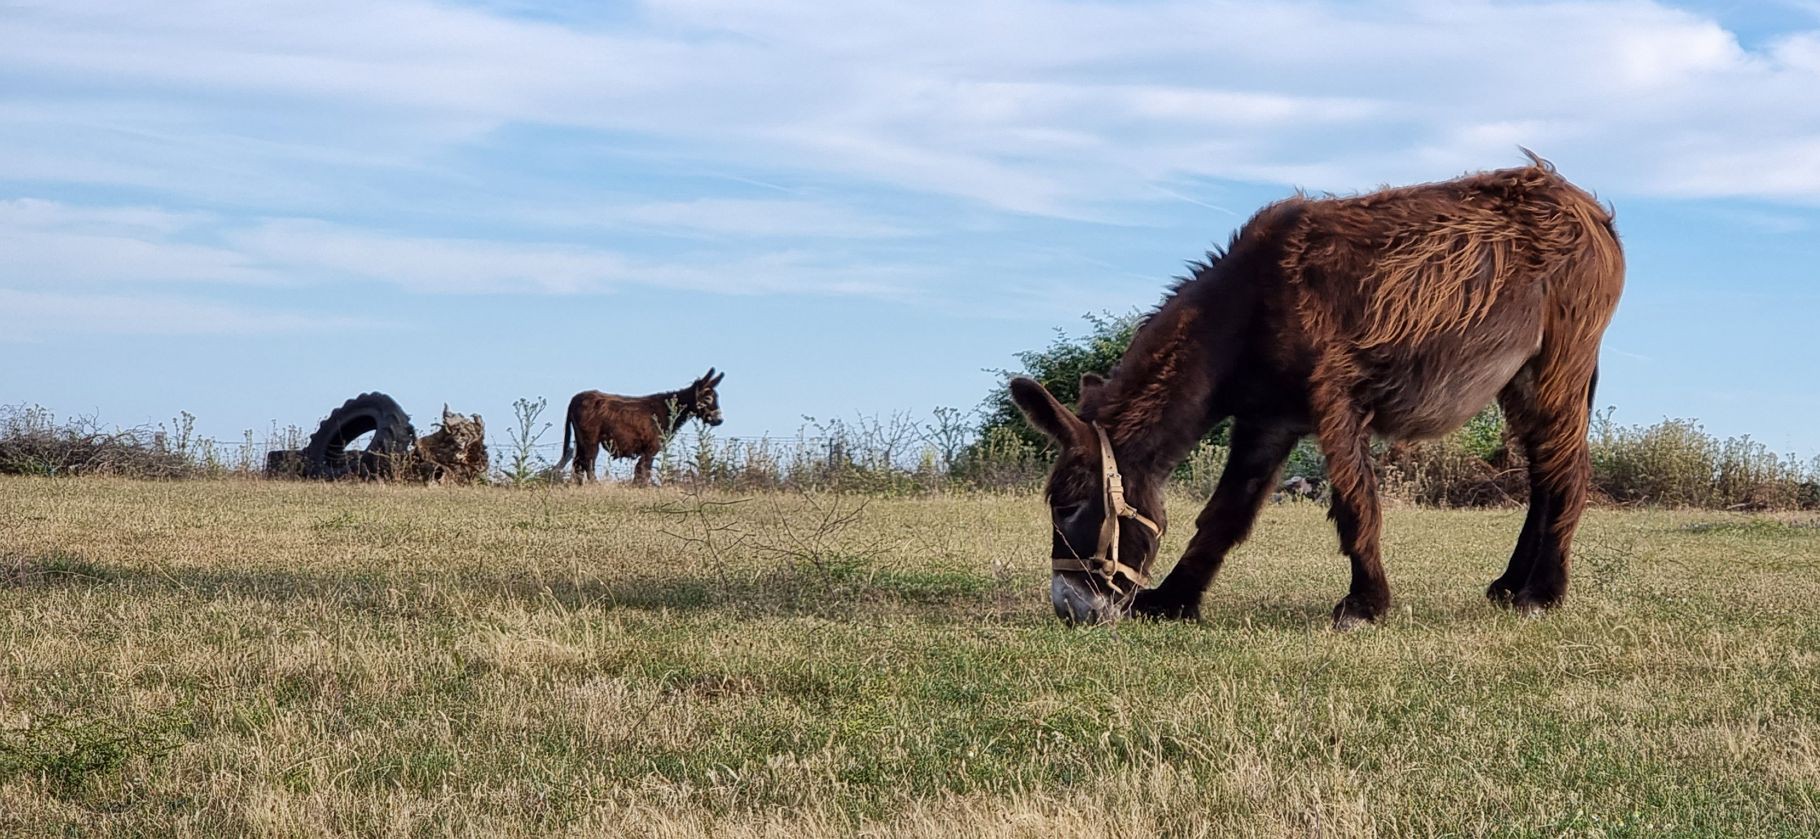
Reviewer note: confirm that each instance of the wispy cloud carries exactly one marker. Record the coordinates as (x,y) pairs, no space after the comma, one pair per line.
(54,244)
(1035,106)
(400,142)
(1765,221)
(29,316)
(58,245)
(334,252)
(724,217)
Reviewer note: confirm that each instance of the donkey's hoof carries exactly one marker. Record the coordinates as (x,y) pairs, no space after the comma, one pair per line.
(1534,603)
(1152,604)
(1354,612)
(1500,593)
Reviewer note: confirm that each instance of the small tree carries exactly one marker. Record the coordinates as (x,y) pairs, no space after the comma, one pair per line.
(1059,367)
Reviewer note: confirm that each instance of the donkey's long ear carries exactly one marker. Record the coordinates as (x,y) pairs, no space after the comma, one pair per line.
(706,376)
(715,382)
(1048,415)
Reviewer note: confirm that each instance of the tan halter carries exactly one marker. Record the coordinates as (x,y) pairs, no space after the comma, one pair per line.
(1104,563)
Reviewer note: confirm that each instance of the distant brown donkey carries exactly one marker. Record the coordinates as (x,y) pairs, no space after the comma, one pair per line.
(1399,313)
(633,426)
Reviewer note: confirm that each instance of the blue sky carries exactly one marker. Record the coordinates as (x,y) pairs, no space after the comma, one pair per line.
(251,211)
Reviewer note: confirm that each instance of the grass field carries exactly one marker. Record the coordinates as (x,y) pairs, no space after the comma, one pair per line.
(246,658)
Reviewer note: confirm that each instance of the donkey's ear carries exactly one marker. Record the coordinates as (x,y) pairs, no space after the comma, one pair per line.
(1090,388)
(1043,411)
(715,382)
(706,376)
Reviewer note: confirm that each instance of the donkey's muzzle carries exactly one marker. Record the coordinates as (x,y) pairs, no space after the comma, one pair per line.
(1098,588)
(1082,599)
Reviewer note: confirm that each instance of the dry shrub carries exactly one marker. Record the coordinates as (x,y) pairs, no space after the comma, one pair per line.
(34,442)
(1676,463)
(1449,473)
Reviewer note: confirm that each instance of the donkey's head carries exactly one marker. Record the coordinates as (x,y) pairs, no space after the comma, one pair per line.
(1105,527)
(701,400)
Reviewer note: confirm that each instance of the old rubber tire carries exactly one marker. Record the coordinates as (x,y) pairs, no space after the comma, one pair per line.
(285,463)
(327,457)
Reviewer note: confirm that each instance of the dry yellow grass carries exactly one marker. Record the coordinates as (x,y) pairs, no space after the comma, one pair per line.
(244,658)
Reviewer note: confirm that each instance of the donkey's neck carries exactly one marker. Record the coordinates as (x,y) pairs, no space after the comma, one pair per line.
(673,409)
(1160,399)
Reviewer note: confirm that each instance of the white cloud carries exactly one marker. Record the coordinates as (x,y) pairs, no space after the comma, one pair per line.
(29,316)
(1763,221)
(1032,106)
(36,213)
(1779,168)
(1029,105)
(53,244)
(329,252)
(61,246)
(724,217)
(315,133)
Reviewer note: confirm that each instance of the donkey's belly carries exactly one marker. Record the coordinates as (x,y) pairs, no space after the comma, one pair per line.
(1437,389)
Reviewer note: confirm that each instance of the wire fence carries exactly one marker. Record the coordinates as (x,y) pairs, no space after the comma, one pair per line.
(894,449)
(891,451)
(549,449)
(1673,463)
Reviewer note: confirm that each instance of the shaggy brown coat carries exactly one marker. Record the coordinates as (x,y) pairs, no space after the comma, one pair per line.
(633,426)
(1399,313)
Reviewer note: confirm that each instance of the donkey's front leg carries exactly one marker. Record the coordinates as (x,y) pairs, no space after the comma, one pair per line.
(1258,453)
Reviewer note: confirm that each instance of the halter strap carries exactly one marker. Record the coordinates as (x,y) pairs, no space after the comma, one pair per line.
(1115,488)
(1104,562)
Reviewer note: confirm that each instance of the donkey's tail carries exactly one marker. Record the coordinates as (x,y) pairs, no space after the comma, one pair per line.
(568,451)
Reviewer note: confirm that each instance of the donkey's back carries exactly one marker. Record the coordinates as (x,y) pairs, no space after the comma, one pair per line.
(1435,297)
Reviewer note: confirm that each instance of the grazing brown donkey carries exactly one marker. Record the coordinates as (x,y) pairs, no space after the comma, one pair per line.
(1399,313)
(633,426)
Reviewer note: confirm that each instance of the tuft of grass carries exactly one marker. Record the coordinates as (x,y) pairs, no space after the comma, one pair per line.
(80,758)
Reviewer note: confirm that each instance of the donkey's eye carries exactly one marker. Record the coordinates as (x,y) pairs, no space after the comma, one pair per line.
(1068,511)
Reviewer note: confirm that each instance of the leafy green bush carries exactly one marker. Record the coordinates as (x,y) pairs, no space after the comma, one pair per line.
(1058,367)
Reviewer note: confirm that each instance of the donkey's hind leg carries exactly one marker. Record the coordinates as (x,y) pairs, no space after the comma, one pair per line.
(1518,403)
(1563,471)
(585,448)
(584,464)
(1345,441)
